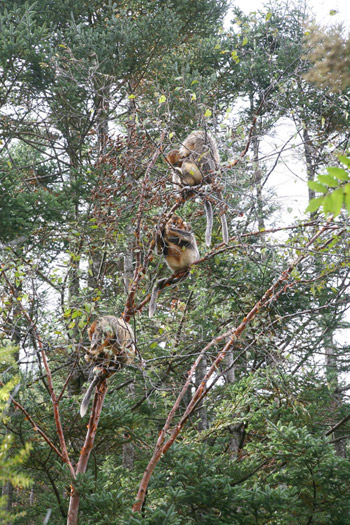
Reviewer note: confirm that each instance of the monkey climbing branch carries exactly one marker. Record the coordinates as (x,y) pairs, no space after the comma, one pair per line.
(163,444)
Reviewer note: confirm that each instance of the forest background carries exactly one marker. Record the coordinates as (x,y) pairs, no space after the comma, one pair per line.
(236,409)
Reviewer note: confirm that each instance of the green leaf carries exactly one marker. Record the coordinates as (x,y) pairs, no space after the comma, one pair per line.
(234,56)
(317,186)
(344,160)
(314,204)
(208,113)
(339,173)
(347,201)
(162,99)
(328,180)
(332,203)
(336,198)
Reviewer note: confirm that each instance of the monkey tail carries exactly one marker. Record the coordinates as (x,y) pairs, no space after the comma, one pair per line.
(160,285)
(86,399)
(209,228)
(224,228)
(153,301)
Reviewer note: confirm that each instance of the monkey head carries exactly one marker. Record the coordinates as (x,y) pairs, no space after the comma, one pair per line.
(174,158)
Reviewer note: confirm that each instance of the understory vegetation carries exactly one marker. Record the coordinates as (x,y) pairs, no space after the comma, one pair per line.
(236,409)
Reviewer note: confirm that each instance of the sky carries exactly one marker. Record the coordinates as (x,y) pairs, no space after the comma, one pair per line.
(321,9)
(288,180)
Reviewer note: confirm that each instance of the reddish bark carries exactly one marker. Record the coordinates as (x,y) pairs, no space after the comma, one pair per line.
(277,288)
(101,390)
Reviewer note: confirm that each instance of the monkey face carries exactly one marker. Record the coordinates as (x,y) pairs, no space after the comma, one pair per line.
(177,235)
(174,158)
(187,172)
(177,223)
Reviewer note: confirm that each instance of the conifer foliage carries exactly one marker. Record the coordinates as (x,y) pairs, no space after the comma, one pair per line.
(235,409)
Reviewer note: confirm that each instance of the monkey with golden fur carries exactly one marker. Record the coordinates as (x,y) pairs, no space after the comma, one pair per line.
(112,346)
(196,163)
(178,245)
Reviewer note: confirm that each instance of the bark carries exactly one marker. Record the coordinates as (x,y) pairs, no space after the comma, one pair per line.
(97,255)
(257,175)
(202,411)
(236,430)
(85,452)
(128,263)
(333,382)
(230,373)
(258,182)
(167,436)
(309,153)
(128,452)
(331,367)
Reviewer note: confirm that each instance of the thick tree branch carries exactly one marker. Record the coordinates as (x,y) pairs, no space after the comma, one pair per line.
(164,442)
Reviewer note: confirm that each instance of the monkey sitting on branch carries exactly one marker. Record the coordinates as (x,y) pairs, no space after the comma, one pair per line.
(196,163)
(112,347)
(178,245)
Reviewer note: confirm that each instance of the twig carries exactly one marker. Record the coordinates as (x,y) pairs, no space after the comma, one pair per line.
(162,444)
(55,402)
(35,426)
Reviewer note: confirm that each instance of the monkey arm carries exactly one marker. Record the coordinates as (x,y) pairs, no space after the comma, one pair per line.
(160,285)
(179,238)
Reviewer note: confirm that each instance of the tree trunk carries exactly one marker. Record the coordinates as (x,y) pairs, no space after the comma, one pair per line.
(309,158)
(257,182)
(237,430)
(333,383)
(201,409)
(73,509)
(97,256)
(128,452)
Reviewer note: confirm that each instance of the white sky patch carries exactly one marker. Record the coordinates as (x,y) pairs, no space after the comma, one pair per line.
(321,9)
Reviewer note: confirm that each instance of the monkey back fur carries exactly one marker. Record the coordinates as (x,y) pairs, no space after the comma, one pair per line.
(112,347)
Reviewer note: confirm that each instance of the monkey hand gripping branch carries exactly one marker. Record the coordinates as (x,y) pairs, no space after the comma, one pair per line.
(178,245)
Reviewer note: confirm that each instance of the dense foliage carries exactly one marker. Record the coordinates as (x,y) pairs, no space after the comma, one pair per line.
(92,96)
